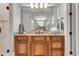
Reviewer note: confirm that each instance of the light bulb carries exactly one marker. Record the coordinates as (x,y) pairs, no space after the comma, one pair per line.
(32,5)
(36,5)
(41,5)
(45,5)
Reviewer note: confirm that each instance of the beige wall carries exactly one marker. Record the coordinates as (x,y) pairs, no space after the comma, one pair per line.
(4,24)
(6,42)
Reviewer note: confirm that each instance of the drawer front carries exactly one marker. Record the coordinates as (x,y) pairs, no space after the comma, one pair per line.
(20,38)
(56,45)
(57,53)
(39,38)
(56,38)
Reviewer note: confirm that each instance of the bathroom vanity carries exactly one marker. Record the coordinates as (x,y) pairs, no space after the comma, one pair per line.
(39,45)
(44,29)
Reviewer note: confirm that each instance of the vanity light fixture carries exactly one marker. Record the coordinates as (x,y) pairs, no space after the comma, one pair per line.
(32,5)
(38,5)
(41,5)
(45,5)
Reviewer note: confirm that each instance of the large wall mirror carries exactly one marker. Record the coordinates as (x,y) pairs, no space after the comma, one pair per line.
(38,18)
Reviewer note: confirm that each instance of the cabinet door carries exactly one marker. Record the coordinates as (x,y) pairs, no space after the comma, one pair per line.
(57,53)
(21,48)
(57,42)
(57,46)
(39,47)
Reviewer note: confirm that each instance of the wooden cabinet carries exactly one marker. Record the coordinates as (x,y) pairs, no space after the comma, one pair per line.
(39,45)
(21,45)
(57,45)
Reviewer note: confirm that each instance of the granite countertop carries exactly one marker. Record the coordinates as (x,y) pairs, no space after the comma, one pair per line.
(38,34)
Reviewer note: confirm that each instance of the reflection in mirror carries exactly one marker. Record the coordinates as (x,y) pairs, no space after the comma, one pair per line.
(42,20)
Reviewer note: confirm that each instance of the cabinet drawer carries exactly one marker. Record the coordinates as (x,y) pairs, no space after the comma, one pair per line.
(57,53)
(38,38)
(22,38)
(56,38)
(56,45)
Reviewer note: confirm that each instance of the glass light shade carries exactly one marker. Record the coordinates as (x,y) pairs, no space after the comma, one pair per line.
(36,5)
(45,5)
(32,5)
(41,5)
